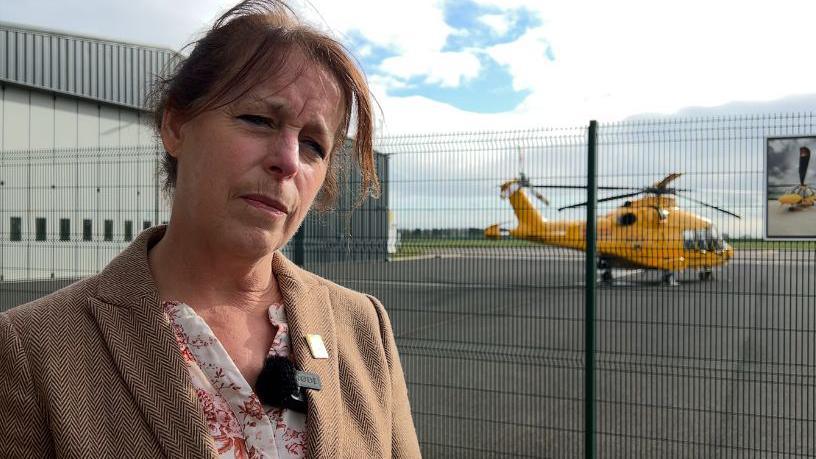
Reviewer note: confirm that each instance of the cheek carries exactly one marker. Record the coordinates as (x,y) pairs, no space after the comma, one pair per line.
(314,181)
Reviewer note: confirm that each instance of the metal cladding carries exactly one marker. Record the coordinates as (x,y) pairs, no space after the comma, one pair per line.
(91,68)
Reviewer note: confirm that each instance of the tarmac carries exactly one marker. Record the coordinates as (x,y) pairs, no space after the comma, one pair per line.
(492,344)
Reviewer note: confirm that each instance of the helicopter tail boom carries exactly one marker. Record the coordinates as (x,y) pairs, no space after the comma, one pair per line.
(529,218)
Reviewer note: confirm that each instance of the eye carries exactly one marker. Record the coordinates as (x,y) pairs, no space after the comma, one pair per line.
(256,120)
(314,147)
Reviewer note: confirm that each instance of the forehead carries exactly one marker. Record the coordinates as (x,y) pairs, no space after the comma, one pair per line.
(300,82)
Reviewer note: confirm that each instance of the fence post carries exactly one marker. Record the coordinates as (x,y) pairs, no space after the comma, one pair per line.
(591,273)
(298,246)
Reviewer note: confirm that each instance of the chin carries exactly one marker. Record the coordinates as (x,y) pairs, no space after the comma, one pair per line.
(255,242)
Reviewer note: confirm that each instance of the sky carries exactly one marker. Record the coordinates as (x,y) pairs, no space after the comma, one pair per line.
(491,66)
(476,65)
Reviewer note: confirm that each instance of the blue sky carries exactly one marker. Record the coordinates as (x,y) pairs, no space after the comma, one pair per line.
(491,91)
(474,27)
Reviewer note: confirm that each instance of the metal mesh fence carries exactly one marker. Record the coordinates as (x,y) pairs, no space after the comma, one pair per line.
(65,213)
(490,371)
(713,367)
(704,333)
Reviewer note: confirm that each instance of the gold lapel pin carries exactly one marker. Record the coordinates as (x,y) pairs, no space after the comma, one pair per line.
(317,347)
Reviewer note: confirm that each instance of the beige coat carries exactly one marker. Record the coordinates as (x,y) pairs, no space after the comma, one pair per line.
(94,370)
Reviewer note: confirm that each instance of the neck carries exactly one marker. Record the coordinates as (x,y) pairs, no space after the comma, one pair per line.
(188,267)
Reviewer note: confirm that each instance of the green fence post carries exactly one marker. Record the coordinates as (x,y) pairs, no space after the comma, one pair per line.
(298,246)
(589,316)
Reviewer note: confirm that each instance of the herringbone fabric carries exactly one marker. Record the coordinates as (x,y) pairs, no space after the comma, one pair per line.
(93,371)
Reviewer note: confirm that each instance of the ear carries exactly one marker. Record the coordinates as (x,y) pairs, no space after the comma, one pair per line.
(172,135)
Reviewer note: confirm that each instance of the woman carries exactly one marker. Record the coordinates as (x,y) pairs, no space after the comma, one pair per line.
(162,353)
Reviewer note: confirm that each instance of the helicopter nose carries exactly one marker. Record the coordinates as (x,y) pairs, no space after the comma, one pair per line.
(728,251)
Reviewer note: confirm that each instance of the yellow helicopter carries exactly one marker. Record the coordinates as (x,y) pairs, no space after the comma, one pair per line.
(650,232)
(800,196)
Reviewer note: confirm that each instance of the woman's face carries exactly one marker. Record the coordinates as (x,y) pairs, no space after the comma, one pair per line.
(248,172)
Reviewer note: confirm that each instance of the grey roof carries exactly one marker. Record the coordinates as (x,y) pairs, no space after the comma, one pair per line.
(91,68)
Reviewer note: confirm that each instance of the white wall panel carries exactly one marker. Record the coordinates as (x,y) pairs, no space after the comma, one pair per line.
(41,121)
(16,112)
(109,126)
(87,124)
(65,122)
(128,127)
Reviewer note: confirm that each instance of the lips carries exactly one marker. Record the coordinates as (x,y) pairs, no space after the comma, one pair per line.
(265,202)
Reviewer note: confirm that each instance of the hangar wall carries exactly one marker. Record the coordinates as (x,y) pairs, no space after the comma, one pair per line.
(36,119)
(71,166)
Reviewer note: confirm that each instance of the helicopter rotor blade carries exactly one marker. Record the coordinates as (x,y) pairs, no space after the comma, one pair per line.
(541,198)
(610,198)
(668,179)
(583,187)
(710,206)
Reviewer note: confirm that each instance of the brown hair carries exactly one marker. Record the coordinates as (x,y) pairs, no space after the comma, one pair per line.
(248,44)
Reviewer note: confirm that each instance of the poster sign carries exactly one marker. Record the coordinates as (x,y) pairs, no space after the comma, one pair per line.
(790,188)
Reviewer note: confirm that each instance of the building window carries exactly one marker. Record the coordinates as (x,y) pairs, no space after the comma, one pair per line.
(87,233)
(108,230)
(39,226)
(146,224)
(16,229)
(128,230)
(65,229)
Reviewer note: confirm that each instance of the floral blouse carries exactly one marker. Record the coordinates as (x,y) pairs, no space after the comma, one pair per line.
(240,425)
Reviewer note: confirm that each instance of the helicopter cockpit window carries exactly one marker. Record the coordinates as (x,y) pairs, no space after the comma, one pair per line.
(715,240)
(701,239)
(708,239)
(688,240)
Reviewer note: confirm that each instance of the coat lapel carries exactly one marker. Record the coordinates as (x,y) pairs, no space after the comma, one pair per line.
(308,311)
(141,342)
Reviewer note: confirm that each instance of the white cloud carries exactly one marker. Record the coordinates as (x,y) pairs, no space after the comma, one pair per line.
(526,58)
(498,23)
(401,26)
(446,69)
(152,22)
(637,56)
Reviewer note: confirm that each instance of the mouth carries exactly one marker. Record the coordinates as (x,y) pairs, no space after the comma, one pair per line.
(266,203)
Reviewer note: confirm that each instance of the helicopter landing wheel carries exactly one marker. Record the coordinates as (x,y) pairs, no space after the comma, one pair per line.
(705,275)
(670,279)
(606,277)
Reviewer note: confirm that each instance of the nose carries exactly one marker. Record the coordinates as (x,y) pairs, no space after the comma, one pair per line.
(283,157)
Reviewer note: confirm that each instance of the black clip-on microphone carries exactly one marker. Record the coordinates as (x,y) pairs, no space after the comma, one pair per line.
(281,384)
